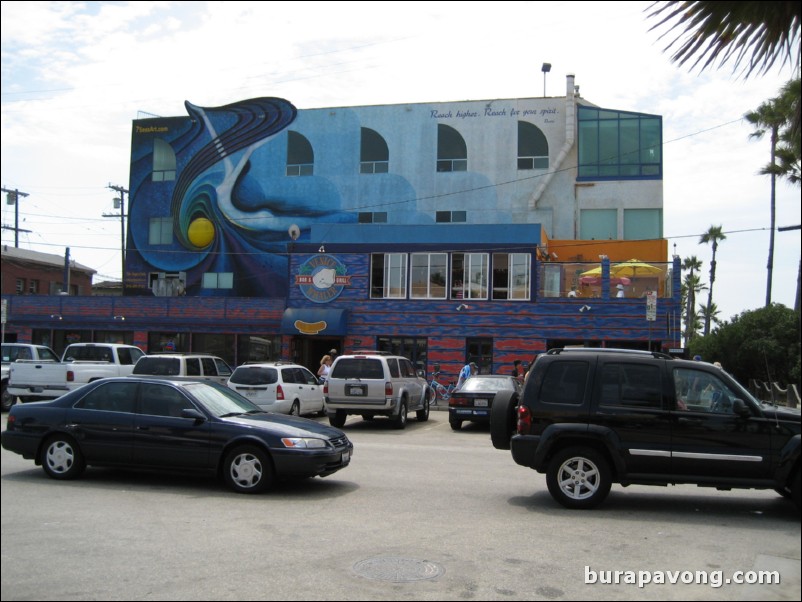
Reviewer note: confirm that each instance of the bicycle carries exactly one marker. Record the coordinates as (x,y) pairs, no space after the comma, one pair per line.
(439,390)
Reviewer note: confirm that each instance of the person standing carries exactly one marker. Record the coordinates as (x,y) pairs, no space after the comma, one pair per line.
(467,371)
(325,369)
(518,371)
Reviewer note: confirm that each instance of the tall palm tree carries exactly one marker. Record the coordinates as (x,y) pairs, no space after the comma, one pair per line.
(691,285)
(770,117)
(753,35)
(711,237)
(710,314)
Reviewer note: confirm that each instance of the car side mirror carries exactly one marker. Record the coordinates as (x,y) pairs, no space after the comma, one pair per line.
(193,414)
(740,408)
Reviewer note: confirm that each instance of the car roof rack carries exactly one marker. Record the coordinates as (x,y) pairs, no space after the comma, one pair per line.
(369,352)
(655,354)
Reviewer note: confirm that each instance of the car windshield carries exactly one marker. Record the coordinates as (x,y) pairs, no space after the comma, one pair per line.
(219,400)
(478,383)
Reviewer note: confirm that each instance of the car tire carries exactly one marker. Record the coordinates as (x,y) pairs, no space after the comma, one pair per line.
(578,478)
(295,410)
(8,399)
(455,424)
(337,419)
(247,469)
(62,458)
(502,419)
(423,415)
(400,421)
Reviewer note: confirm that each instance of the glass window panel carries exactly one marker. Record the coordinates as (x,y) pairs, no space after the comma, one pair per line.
(599,224)
(642,224)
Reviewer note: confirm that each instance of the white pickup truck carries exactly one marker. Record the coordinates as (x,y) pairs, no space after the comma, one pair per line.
(21,351)
(81,363)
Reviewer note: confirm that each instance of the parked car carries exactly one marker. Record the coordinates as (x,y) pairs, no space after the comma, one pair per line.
(184,365)
(186,426)
(21,351)
(473,400)
(592,417)
(280,387)
(374,384)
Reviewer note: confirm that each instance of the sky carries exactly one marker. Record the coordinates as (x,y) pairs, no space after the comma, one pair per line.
(76,74)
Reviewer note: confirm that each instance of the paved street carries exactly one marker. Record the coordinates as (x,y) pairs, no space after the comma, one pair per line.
(421,514)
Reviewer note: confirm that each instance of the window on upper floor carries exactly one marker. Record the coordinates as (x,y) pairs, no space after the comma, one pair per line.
(388,276)
(511,276)
(469,275)
(428,275)
(374,156)
(533,148)
(598,224)
(300,156)
(163,161)
(617,145)
(447,217)
(372,217)
(33,287)
(643,224)
(160,231)
(218,280)
(452,153)
(20,288)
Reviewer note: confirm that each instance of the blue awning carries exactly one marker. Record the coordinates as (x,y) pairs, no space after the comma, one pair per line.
(313,321)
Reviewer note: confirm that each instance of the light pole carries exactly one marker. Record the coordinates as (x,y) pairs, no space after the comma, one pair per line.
(545,69)
(12,198)
(120,201)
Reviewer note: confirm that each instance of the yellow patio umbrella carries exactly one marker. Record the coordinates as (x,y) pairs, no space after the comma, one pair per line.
(634,268)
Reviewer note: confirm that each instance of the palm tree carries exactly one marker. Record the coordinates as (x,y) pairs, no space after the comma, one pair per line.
(712,236)
(775,116)
(710,313)
(691,286)
(751,34)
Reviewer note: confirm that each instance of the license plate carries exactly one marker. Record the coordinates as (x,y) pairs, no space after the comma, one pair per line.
(250,393)
(480,403)
(346,456)
(356,391)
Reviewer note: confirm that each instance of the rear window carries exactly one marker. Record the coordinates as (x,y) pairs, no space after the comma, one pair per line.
(158,366)
(254,375)
(89,354)
(358,368)
(477,383)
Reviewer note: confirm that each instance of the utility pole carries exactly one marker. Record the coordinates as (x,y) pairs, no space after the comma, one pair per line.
(121,202)
(12,198)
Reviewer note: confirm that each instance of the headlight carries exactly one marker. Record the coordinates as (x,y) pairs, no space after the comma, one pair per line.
(304,443)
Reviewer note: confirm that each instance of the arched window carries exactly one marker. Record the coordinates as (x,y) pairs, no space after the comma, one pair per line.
(300,156)
(452,153)
(163,161)
(374,156)
(533,148)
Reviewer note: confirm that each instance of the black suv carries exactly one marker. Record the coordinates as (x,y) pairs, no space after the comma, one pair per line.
(592,417)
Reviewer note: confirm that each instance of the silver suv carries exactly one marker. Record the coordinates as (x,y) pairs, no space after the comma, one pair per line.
(184,365)
(375,384)
(279,387)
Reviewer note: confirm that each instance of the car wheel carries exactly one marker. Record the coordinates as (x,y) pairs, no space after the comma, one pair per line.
(247,469)
(455,424)
(337,419)
(8,400)
(295,410)
(578,478)
(423,415)
(400,421)
(502,419)
(62,459)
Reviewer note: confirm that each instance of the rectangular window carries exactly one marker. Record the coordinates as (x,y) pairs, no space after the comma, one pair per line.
(160,231)
(303,169)
(447,217)
(598,224)
(416,349)
(372,217)
(33,287)
(643,224)
(564,383)
(632,385)
(218,280)
(469,275)
(388,276)
(20,288)
(428,275)
(369,167)
(480,351)
(511,276)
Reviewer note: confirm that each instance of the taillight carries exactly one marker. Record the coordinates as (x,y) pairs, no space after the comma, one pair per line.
(326,388)
(279,393)
(524,420)
(388,389)
(456,400)
(70,376)
(11,422)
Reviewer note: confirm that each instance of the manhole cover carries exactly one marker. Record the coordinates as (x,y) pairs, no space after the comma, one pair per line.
(398,570)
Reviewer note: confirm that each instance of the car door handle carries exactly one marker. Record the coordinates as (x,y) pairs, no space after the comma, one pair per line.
(143,428)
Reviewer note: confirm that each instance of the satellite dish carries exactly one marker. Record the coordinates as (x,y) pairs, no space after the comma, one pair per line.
(294,231)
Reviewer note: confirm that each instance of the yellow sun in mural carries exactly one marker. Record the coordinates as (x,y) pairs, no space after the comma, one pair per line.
(201,232)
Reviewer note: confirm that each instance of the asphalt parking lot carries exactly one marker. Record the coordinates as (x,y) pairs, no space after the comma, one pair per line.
(421,514)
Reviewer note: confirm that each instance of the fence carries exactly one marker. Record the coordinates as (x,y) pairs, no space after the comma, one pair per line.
(774,393)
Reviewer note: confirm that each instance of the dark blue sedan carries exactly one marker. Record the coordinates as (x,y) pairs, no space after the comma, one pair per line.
(185,426)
